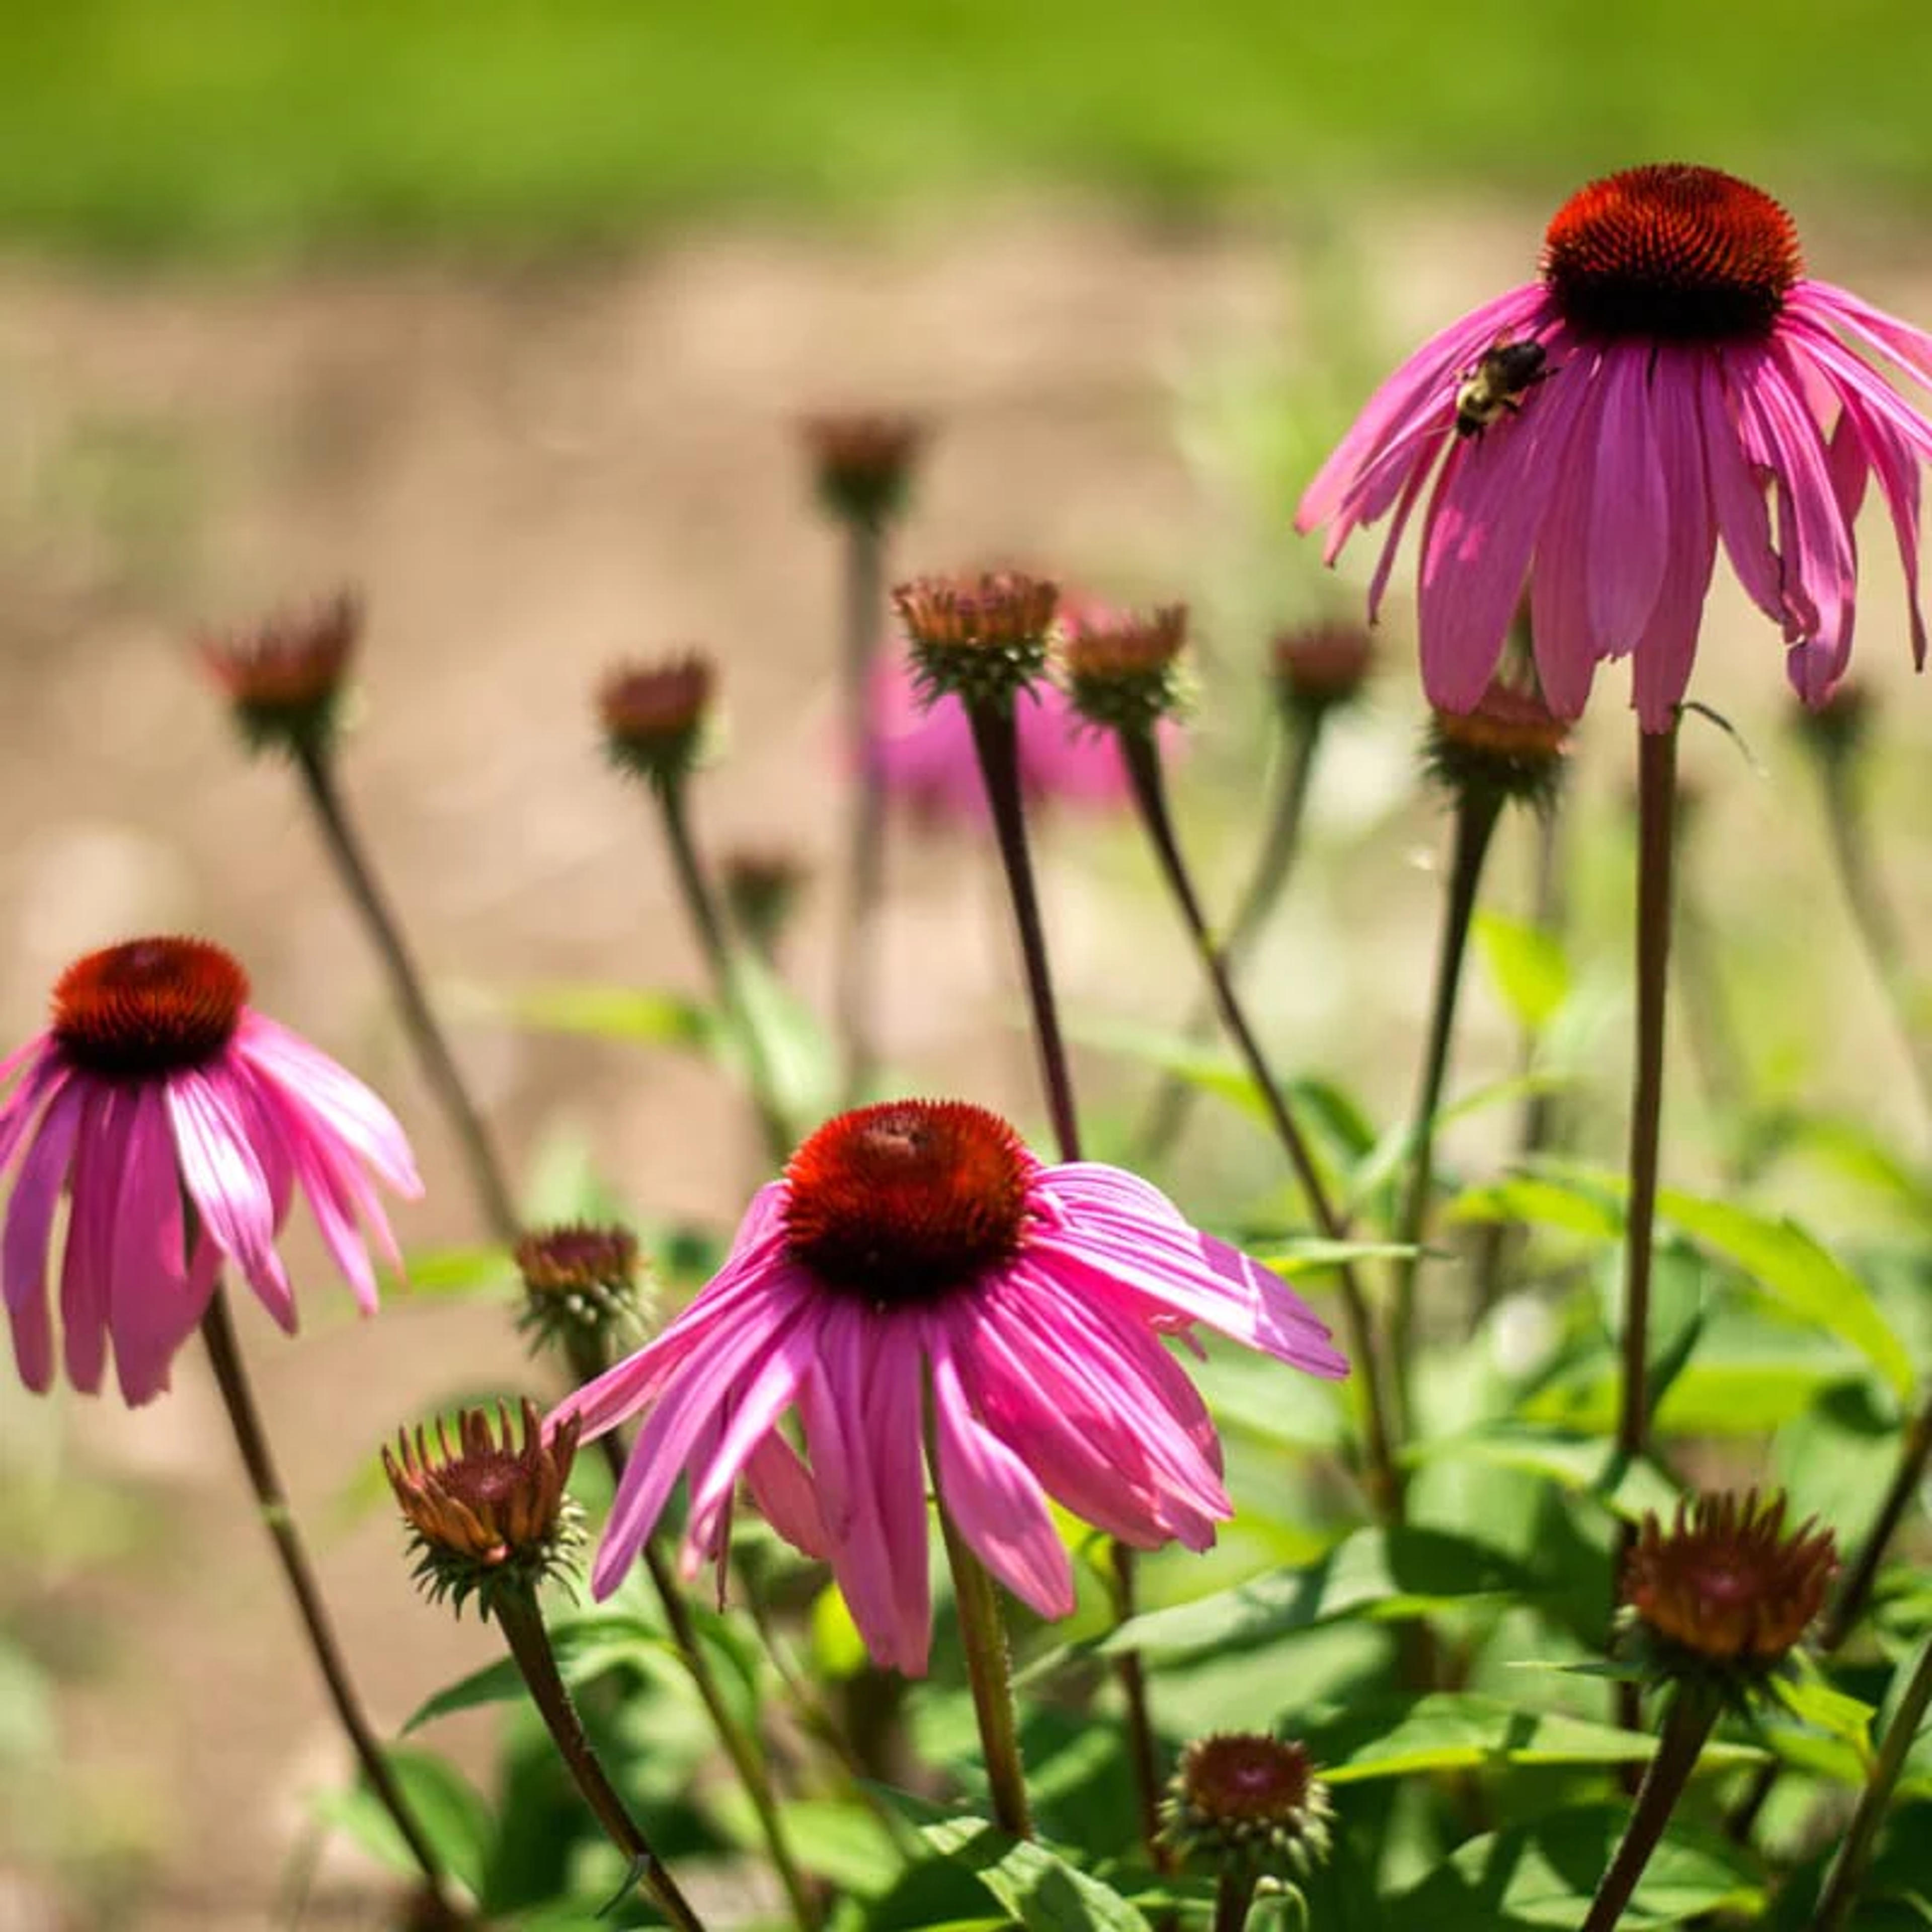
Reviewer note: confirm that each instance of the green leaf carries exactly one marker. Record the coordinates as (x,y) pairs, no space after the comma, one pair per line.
(1461,1730)
(1396,1147)
(449,1809)
(584,1646)
(633,1013)
(1781,1258)
(1529,966)
(1384,1574)
(1312,1254)
(800,1054)
(454,1272)
(1583,1465)
(1041,1890)
(1813,1700)
(1536,1202)
(1544,1873)
(1208,1070)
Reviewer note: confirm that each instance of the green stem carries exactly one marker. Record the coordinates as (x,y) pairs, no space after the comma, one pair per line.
(1848,1869)
(1686,1726)
(438,1063)
(522,1624)
(1175,1097)
(1142,758)
(1477,812)
(721,957)
(245,1417)
(1855,1591)
(1657,791)
(857,992)
(989,1671)
(1132,1676)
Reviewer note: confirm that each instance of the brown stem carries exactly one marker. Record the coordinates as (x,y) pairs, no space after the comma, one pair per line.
(857,995)
(1656,793)
(439,1064)
(1142,758)
(1175,1097)
(720,957)
(983,1635)
(217,1333)
(522,1624)
(1141,1748)
(1233,1897)
(1477,812)
(1686,1725)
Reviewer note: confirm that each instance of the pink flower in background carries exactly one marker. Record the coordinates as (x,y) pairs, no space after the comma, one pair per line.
(917,1244)
(156,1081)
(1672,375)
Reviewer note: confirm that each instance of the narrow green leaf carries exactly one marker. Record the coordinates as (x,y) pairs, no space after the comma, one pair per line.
(1539,1203)
(1529,966)
(634,1013)
(584,1646)
(1583,1465)
(450,1809)
(1378,1574)
(455,1272)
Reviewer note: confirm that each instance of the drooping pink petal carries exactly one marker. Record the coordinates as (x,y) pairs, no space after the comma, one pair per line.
(1630,535)
(23,1249)
(352,1113)
(224,1179)
(21,1107)
(757,1403)
(1563,635)
(781,1486)
(1669,643)
(151,1310)
(995,1500)
(1907,348)
(1896,467)
(87,1268)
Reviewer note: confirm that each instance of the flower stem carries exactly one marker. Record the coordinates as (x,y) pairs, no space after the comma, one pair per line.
(727,979)
(1871,911)
(1855,1591)
(1142,758)
(748,1760)
(983,1634)
(996,741)
(1657,792)
(1686,1726)
(439,1064)
(217,1333)
(1848,1869)
(522,1624)
(857,995)
(1234,1896)
(1175,1097)
(1477,812)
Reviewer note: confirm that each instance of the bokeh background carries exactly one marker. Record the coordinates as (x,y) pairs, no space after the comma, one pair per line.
(508,313)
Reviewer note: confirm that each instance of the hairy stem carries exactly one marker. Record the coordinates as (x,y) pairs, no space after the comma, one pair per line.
(989,1671)
(857,996)
(1476,812)
(439,1064)
(1686,1726)
(522,1624)
(237,1396)
(1142,758)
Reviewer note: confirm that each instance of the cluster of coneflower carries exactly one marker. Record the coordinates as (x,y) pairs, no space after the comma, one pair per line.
(918,1300)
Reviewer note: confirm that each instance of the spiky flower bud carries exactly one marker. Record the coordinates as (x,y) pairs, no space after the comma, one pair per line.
(580,1291)
(761,889)
(284,676)
(1723,1596)
(1836,730)
(862,463)
(1511,747)
(1320,668)
(655,717)
(487,1518)
(1124,669)
(1250,1803)
(983,638)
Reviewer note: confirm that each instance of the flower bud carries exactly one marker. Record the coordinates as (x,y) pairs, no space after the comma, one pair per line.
(284,677)
(1248,1803)
(984,639)
(1511,746)
(761,890)
(1321,668)
(580,1290)
(862,464)
(1835,731)
(1124,670)
(655,717)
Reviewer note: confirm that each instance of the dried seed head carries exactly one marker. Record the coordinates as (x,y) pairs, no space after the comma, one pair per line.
(1243,1800)
(485,1517)
(284,676)
(655,716)
(862,463)
(1123,668)
(983,638)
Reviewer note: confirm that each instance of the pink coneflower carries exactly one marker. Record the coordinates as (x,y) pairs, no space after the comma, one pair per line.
(917,1244)
(1671,373)
(156,1081)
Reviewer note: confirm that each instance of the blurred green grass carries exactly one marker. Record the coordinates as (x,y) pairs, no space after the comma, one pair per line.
(244,128)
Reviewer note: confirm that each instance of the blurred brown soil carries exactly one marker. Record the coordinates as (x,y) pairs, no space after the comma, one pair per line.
(528,475)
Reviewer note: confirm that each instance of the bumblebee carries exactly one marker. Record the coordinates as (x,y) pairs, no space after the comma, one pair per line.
(1503,375)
